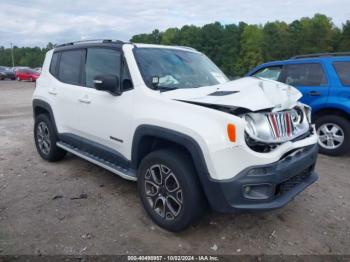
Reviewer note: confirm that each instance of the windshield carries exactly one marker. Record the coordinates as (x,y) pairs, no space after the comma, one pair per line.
(177,68)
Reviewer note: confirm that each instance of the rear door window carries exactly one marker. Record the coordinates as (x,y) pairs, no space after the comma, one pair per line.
(271,72)
(70,67)
(343,71)
(311,74)
(101,61)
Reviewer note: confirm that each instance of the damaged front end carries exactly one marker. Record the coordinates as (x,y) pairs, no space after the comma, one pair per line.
(267,130)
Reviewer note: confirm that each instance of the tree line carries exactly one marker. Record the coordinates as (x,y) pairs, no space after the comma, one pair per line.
(235,48)
(24,56)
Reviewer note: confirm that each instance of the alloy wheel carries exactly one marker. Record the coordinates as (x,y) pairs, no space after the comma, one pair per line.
(163,191)
(43,138)
(330,136)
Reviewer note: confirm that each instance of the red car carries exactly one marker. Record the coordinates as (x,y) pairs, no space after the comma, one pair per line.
(27,74)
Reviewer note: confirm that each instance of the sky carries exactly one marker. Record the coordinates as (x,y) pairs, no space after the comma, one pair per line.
(37,22)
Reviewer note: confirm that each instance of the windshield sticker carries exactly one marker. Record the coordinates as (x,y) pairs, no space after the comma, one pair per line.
(167,80)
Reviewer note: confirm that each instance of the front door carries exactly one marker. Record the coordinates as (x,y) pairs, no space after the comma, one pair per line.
(105,118)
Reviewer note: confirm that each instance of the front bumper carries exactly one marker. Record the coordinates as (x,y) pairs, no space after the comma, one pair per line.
(265,187)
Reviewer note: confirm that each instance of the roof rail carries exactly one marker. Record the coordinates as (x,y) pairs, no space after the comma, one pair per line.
(186,47)
(92,41)
(321,55)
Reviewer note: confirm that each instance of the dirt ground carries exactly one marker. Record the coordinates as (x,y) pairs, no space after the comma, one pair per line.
(38,216)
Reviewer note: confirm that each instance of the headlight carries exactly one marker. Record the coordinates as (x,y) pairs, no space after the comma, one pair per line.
(297,116)
(277,127)
(250,128)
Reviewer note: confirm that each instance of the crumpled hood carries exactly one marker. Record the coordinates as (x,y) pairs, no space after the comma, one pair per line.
(250,92)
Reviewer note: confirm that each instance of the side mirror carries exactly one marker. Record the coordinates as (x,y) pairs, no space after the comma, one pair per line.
(108,83)
(127,84)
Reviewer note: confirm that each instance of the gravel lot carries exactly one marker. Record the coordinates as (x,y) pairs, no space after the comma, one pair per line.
(38,216)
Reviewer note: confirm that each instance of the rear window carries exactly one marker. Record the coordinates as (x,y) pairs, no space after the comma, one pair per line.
(343,71)
(311,74)
(70,67)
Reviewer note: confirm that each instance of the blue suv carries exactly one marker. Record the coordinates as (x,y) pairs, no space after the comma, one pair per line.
(324,80)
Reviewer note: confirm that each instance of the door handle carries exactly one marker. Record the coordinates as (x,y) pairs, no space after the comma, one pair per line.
(85,100)
(314,93)
(53,92)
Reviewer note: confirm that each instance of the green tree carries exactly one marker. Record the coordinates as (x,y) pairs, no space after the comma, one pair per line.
(344,41)
(230,49)
(251,53)
(154,38)
(171,36)
(276,41)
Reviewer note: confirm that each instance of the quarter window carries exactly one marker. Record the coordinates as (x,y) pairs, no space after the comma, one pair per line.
(70,67)
(101,61)
(304,75)
(272,72)
(53,65)
(343,71)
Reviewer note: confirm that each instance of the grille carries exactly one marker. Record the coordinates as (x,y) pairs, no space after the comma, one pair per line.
(281,124)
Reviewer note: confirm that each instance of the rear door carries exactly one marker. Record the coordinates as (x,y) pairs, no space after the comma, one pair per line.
(340,92)
(68,90)
(310,79)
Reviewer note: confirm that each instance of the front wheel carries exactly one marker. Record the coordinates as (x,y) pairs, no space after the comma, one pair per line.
(333,134)
(169,189)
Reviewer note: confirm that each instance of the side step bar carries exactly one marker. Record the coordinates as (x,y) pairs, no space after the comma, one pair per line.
(124,173)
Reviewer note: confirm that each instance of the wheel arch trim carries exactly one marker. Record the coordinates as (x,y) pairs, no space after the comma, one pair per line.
(172,136)
(38,103)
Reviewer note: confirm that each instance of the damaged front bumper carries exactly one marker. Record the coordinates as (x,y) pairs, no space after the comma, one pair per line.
(265,187)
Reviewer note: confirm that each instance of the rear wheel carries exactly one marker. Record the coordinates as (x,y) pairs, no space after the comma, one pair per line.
(46,139)
(169,189)
(333,134)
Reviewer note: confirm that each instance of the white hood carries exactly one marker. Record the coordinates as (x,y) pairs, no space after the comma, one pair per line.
(250,92)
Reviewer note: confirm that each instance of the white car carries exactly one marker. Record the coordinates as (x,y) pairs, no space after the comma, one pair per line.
(167,117)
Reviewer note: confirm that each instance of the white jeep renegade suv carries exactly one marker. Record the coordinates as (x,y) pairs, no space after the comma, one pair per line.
(167,117)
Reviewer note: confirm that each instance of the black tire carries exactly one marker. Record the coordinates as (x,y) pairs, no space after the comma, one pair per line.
(344,126)
(193,201)
(50,153)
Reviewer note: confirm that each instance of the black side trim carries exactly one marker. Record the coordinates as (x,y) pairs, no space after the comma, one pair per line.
(173,136)
(96,149)
(40,104)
